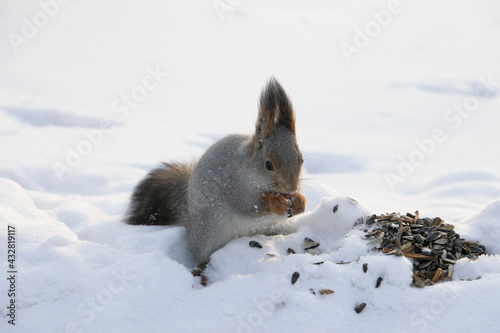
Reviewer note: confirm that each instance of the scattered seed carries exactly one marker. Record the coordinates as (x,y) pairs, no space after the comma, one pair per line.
(255,244)
(379,281)
(365,267)
(354,201)
(314,252)
(335,208)
(312,291)
(309,244)
(290,251)
(318,263)
(295,277)
(360,307)
(326,291)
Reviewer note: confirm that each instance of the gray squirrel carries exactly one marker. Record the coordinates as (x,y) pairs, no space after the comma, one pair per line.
(243,184)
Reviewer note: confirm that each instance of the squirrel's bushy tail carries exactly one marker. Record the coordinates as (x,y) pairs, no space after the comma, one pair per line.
(161,197)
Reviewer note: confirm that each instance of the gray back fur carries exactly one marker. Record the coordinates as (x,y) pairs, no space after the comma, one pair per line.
(229,180)
(222,196)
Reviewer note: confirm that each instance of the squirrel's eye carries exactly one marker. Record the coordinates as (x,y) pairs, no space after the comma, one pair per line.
(269,166)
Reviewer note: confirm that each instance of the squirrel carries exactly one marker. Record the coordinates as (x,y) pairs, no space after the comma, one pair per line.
(241,186)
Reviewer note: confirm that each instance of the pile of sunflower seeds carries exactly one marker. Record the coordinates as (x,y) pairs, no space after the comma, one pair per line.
(433,245)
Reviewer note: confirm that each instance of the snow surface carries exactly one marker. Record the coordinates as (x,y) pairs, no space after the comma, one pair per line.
(423,88)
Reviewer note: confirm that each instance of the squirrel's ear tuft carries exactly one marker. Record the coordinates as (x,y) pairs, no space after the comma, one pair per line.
(275,109)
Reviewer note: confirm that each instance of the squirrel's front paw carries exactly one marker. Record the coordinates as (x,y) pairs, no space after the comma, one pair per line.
(298,204)
(276,203)
(284,204)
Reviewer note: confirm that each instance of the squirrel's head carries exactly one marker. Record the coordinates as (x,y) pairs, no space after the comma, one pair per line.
(274,145)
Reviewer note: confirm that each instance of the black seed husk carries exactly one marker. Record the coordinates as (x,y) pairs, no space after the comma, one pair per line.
(360,307)
(379,282)
(335,208)
(255,244)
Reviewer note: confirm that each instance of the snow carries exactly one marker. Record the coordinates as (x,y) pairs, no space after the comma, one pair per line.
(97,94)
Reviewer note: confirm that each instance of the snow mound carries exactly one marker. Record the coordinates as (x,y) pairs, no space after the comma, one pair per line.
(83,271)
(484,227)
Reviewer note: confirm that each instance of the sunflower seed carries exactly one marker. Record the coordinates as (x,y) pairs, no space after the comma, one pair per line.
(438,275)
(433,236)
(476,249)
(418,238)
(255,244)
(441,241)
(314,252)
(365,267)
(379,281)
(295,277)
(411,216)
(360,307)
(449,261)
(326,291)
(352,200)
(444,255)
(451,268)
(309,244)
(424,264)
(418,281)
(436,222)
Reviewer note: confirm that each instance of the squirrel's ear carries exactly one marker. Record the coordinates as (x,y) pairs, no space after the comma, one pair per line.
(275,109)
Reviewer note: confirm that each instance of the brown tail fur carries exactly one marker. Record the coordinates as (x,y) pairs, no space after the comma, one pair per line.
(161,197)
